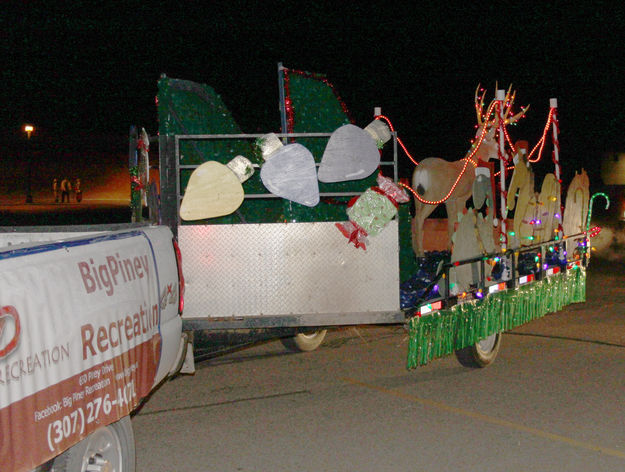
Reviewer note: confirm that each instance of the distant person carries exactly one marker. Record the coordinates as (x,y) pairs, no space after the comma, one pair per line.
(66,187)
(78,190)
(55,190)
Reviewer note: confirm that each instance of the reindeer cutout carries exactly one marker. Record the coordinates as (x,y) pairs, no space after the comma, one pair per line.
(434,177)
(537,215)
(521,196)
(576,207)
(473,236)
(548,209)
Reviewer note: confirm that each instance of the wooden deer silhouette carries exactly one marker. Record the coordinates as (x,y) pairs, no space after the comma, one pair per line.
(522,199)
(576,207)
(434,178)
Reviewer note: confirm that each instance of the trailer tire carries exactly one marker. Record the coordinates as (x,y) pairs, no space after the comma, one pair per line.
(112,445)
(480,354)
(305,342)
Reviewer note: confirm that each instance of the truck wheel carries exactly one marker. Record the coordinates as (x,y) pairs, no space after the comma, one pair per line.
(480,354)
(305,342)
(110,448)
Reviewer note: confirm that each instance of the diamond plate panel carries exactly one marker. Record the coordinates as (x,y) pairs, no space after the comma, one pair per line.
(281,269)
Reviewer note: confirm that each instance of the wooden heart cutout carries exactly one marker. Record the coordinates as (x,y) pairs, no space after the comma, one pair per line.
(291,173)
(213,190)
(351,154)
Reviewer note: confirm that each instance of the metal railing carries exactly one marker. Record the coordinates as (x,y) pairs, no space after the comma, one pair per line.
(480,289)
(285,136)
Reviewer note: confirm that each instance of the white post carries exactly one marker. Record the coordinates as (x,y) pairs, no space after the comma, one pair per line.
(553,104)
(377,111)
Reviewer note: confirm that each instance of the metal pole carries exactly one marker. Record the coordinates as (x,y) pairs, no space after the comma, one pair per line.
(132,164)
(168,180)
(29,196)
(513,258)
(28,129)
(282,104)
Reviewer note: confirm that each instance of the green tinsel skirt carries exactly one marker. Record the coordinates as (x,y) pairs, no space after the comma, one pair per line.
(465,324)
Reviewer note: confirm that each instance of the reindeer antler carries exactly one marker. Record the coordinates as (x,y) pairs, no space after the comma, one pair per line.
(507,109)
(516,117)
(479,108)
(508,102)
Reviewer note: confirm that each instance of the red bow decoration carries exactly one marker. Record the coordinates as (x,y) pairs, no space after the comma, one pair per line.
(135,180)
(354,232)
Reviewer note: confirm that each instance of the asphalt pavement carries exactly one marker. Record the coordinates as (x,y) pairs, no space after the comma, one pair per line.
(72,213)
(552,401)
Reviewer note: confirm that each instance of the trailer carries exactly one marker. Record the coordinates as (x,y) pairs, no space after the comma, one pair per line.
(279,267)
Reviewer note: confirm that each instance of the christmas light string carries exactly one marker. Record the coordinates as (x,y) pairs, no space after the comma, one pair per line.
(551,118)
(594,232)
(541,142)
(438,202)
(540,145)
(505,130)
(290,112)
(408,187)
(467,159)
(288,104)
(482,135)
(401,143)
(509,141)
(498,173)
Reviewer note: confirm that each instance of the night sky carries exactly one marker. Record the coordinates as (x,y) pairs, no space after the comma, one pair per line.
(91,70)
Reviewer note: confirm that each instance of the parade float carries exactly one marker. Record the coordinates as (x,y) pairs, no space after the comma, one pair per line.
(310,227)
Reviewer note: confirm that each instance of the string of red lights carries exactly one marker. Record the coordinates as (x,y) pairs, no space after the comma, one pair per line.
(467,159)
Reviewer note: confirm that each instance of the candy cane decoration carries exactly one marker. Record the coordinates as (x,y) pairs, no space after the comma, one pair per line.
(592,200)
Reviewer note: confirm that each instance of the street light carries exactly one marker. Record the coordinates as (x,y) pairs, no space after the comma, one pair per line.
(28,129)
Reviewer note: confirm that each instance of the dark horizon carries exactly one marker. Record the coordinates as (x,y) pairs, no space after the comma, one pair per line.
(80,73)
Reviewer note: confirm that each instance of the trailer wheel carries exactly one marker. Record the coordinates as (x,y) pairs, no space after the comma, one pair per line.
(480,354)
(109,448)
(305,342)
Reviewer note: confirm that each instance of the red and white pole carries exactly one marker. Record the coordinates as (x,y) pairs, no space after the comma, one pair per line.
(500,97)
(553,104)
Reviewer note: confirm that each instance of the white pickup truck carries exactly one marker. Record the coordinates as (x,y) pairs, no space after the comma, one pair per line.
(89,324)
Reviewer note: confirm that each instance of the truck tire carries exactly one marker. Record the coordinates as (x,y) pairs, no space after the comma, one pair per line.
(109,448)
(305,342)
(480,354)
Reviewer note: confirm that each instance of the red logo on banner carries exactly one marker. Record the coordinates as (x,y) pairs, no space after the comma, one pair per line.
(6,314)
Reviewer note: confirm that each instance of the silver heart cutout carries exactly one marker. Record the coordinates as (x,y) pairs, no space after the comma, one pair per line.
(290,173)
(351,154)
